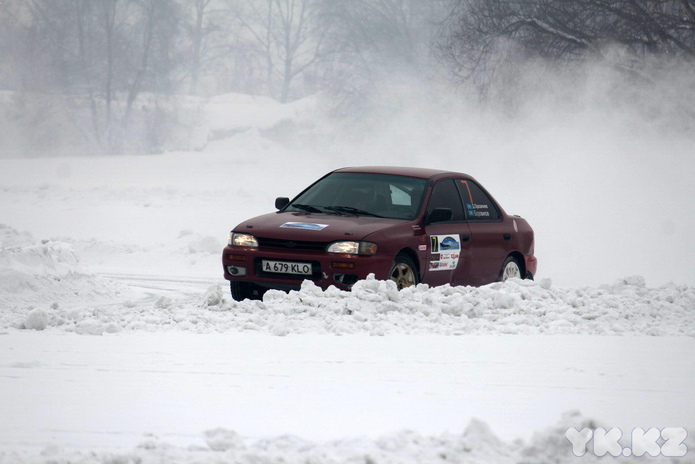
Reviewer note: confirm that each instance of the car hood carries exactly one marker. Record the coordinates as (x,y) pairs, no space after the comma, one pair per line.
(314,227)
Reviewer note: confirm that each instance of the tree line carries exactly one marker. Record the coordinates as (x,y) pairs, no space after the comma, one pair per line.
(481,35)
(117,71)
(120,62)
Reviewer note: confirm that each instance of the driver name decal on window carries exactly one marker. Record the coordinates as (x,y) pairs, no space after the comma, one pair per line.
(446,250)
(473,210)
(303,226)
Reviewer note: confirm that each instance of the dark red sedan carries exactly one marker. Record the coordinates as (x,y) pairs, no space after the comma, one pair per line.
(409,225)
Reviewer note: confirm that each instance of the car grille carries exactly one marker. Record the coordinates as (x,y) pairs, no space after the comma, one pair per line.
(299,245)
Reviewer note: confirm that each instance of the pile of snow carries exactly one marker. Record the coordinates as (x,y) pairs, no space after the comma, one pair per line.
(232,113)
(627,307)
(19,255)
(196,243)
(45,272)
(513,307)
(477,444)
(189,253)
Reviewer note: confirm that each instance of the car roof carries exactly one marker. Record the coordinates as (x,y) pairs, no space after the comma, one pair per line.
(422,173)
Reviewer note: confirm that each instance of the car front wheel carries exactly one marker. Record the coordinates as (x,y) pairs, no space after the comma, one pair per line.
(403,272)
(240,290)
(511,269)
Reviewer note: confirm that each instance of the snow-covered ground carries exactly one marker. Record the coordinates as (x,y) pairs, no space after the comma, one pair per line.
(182,397)
(119,342)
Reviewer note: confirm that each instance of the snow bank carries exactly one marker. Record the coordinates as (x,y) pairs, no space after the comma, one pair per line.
(190,253)
(477,444)
(627,307)
(18,254)
(44,286)
(232,113)
(43,273)
(514,307)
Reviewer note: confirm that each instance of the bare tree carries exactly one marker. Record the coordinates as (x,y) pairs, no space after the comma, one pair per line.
(392,31)
(289,37)
(566,30)
(379,42)
(208,41)
(108,20)
(198,33)
(98,55)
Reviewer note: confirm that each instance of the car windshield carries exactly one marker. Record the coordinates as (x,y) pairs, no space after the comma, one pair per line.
(362,194)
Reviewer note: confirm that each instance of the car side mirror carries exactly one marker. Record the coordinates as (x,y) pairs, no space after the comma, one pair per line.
(439,215)
(281,202)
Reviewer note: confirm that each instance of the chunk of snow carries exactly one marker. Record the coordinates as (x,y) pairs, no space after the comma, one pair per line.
(221,439)
(36,320)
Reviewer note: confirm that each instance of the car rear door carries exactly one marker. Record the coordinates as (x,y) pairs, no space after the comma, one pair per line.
(448,242)
(490,242)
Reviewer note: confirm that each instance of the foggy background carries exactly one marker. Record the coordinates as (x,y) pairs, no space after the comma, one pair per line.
(579,117)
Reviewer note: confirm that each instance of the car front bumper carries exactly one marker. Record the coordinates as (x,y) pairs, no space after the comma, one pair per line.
(244,265)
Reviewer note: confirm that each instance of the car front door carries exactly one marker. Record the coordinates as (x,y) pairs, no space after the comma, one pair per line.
(448,241)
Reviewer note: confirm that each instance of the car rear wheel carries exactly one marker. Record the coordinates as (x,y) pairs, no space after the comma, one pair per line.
(403,272)
(511,269)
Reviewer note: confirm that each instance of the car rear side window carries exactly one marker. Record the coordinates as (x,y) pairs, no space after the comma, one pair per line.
(478,205)
(445,195)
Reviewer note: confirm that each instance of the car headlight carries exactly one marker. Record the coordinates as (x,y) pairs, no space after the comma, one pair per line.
(352,248)
(242,240)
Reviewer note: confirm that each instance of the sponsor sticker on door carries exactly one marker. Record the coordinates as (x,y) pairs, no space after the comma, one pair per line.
(446,251)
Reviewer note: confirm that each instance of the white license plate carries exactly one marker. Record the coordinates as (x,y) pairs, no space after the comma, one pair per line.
(283,267)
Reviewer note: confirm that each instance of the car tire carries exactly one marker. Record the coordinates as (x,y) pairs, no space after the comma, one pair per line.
(404,272)
(241,290)
(511,269)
